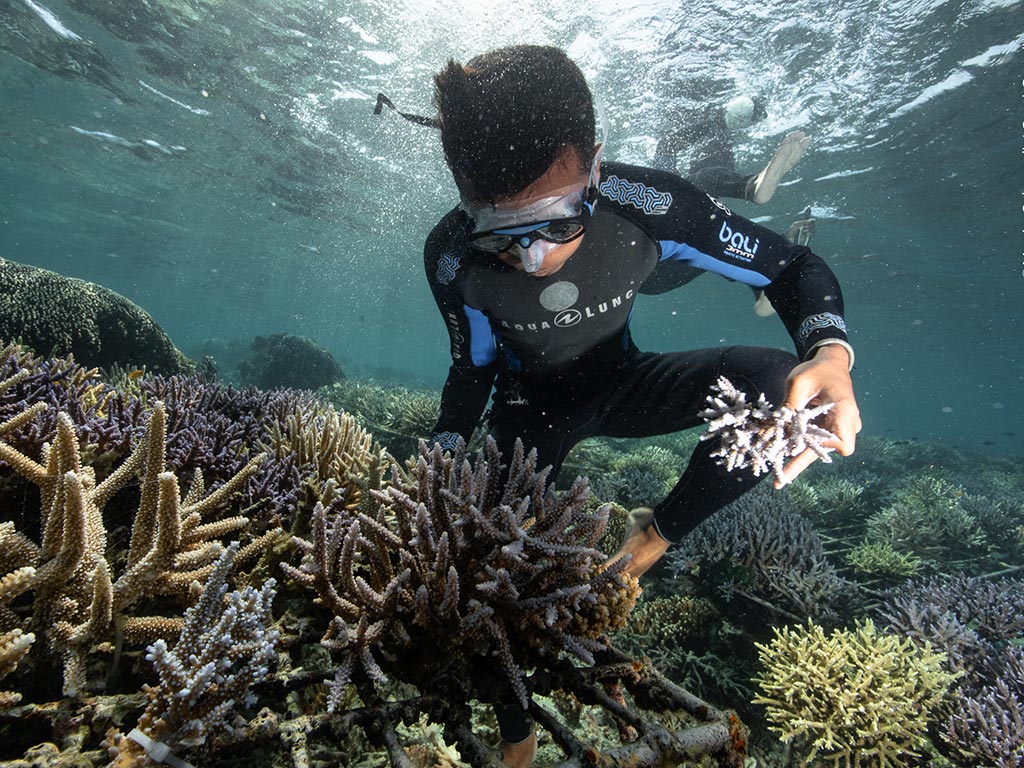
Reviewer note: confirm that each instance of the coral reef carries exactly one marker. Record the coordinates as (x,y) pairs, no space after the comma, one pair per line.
(975,623)
(225,647)
(758,547)
(62,315)
(641,477)
(78,601)
(283,360)
(758,436)
(457,563)
(855,698)
(210,427)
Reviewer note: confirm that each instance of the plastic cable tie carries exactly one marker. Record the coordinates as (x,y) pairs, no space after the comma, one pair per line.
(158,751)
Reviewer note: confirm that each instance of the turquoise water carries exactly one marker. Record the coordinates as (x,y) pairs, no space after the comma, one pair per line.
(219,164)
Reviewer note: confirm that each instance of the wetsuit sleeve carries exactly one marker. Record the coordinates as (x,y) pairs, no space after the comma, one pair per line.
(691,227)
(473,350)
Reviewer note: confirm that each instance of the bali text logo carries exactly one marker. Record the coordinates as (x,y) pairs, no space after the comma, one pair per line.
(737,244)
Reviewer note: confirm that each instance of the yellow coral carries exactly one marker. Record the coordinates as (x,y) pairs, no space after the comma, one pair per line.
(881,559)
(860,699)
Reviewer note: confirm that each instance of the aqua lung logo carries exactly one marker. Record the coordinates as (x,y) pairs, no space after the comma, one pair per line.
(737,244)
(568,318)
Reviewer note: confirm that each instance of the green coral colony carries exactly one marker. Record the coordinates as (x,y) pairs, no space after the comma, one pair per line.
(200,574)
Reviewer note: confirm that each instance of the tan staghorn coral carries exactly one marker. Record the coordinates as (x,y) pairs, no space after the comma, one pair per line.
(17,556)
(859,699)
(78,601)
(333,450)
(457,564)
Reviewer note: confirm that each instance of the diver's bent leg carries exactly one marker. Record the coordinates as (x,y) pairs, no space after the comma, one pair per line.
(706,486)
(720,182)
(518,744)
(662,393)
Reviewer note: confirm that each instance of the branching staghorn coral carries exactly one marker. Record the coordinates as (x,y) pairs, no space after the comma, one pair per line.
(78,602)
(927,519)
(405,411)
(459,564)
(759,543)
(986,611)
(331,450)
(880,559)
(758,436)
(855,698)
(225,647)
(986,723)
(20,557)
(975,622)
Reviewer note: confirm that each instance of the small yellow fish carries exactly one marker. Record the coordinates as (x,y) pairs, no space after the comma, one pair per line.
(136,374)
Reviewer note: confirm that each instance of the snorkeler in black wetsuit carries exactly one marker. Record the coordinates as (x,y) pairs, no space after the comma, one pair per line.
(703,132)
(536,275)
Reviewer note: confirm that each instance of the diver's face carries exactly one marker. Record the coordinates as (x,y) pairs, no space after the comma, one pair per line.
(563,172)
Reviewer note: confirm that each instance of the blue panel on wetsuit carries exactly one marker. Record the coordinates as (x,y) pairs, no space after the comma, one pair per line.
(670,249)
(481,339)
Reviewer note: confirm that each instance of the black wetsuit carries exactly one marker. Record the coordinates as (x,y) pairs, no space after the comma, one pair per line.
(704,136)
(559,347)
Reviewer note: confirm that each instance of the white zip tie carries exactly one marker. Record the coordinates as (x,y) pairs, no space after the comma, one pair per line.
(158,751)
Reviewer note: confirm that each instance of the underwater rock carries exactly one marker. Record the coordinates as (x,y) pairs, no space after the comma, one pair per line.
(61,315)
(283,360)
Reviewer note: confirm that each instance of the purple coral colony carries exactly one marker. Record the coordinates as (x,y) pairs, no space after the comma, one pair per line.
(193,573)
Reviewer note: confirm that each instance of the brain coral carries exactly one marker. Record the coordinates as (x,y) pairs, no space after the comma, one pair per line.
(60,315)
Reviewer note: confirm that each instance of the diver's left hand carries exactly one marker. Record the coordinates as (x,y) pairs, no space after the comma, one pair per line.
(825,378)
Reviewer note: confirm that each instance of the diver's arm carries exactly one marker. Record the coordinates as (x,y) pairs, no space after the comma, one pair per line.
(472,346)
(462,403)
(807,296)
(691,227)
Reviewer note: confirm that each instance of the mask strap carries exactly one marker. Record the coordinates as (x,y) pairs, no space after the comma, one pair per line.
(384,101)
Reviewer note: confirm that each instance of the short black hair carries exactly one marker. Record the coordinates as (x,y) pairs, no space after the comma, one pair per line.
(507,114)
